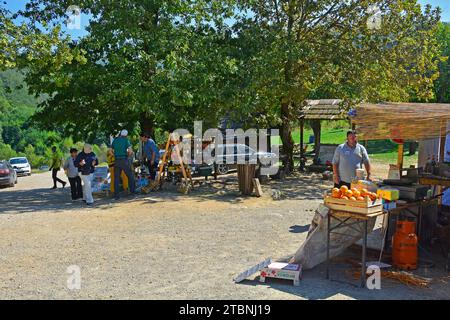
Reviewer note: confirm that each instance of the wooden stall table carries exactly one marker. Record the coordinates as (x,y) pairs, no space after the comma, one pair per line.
(435,181)
(349,219)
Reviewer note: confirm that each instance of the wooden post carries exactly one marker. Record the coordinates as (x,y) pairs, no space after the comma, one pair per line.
(302,138)
(246,173)
(442,148)
(401,148)
(317,133)
(441,158)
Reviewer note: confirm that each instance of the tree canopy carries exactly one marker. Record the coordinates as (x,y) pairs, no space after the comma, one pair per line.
(163,64)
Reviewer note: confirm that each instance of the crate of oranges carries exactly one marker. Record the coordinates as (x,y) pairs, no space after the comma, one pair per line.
(353,200)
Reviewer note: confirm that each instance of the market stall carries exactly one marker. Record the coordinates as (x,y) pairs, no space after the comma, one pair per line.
(418,190)
(407,202)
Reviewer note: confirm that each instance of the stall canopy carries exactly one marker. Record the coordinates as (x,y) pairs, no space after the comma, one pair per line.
(324,109)
(316,111)
(405,121)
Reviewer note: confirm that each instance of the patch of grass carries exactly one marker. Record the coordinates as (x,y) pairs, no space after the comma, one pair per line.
(391,158)
(382,151)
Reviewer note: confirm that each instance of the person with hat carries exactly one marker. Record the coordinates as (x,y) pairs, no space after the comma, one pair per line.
(110,159)
(86,161)
(122,149)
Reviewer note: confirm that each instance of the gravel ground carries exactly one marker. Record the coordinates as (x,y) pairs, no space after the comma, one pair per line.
(168,246)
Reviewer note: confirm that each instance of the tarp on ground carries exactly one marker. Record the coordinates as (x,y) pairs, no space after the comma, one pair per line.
(314,250)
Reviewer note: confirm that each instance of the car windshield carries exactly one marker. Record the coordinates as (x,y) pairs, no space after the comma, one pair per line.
(18,161)
(3,165)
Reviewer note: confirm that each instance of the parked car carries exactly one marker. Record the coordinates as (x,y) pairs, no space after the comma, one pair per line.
(44,168)
(240,152)
(21,165)
(8,176)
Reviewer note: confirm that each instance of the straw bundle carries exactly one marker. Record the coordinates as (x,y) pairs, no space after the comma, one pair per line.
(408,121)
(408,279)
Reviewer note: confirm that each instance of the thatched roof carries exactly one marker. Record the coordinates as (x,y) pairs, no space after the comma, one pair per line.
(324,109)
(408,121)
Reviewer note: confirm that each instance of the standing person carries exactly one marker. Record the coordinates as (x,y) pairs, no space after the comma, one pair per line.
(86,162)
(151,154)
(110,159)
(72,174)
(55,167)
(348,157)
(122,149)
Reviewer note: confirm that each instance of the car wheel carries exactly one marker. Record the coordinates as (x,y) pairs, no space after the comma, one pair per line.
(222,169)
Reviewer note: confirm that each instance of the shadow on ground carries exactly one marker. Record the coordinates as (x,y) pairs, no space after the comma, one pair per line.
(345,285)
(225,189)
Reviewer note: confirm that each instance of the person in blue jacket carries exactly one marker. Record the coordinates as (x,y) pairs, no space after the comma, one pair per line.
(86,162)
(151,154)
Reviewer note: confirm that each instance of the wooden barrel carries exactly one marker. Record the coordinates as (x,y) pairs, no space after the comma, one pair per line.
(246,173)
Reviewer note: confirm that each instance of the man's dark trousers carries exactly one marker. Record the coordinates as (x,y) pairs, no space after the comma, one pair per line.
(152,168)
(55,178)
(119,165)
(75,188)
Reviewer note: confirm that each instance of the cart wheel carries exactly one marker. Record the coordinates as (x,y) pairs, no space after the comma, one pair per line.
(222,169)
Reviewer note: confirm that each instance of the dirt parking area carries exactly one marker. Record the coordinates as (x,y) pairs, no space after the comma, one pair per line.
(168,246)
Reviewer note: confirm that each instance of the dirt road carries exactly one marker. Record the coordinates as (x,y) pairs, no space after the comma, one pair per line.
(164,245)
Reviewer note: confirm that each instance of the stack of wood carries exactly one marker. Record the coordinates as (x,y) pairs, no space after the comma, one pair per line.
(246,173)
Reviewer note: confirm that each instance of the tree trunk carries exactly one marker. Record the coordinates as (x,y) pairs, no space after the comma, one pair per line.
(146,123)
(286,138)
(316,126)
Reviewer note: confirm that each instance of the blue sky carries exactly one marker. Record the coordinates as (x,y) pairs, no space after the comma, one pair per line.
(15,5)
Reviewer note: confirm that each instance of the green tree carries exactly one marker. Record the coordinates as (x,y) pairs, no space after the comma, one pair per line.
(443,83)
(6,152)
(296,49)
(144,65)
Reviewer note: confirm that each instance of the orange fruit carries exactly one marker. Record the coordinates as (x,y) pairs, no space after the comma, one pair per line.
(354,190)
(352,198)
(356,193)
(360,198)
(348,194)
(345,198)
(364,192)
(336,193)
(344,189)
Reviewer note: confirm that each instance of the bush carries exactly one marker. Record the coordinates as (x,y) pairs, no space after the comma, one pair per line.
(6,152)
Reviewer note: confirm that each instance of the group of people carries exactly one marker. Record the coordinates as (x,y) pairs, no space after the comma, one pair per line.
(80,167)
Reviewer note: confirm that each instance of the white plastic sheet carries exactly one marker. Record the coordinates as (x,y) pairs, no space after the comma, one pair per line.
(314,250)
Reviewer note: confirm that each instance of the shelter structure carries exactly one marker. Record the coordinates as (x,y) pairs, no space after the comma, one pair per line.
(316,111)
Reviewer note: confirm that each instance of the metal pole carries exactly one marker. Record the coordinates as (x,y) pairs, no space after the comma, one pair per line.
(364,247)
